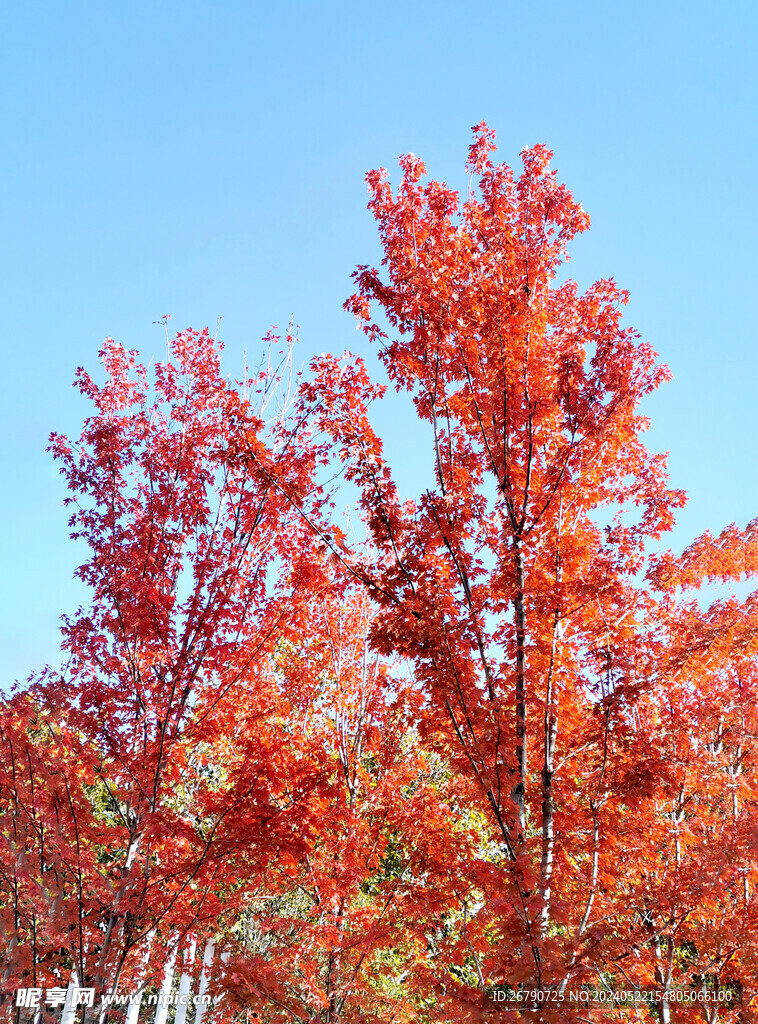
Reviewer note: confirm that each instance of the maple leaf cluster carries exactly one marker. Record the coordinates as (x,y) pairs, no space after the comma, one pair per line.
(498,751)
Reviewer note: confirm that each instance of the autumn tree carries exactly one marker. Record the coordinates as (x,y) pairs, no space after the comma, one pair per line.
(119,821)
(503,745)
(516,585)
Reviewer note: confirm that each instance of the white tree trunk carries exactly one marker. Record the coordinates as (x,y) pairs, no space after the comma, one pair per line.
(204,980)
(132,1014)
(185,985)
(69,1008)
(161,1014)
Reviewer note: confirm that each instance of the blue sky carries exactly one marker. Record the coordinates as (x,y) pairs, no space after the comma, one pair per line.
(207,159)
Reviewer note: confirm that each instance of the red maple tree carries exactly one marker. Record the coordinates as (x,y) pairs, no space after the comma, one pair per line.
(516,586)
(119,821)
(499,753)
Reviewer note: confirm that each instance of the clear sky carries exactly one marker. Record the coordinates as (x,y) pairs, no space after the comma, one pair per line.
(207,159)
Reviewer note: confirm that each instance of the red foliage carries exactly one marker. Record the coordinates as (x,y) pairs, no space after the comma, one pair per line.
(499,749)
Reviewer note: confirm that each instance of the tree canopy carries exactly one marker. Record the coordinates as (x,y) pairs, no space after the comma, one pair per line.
(496,753)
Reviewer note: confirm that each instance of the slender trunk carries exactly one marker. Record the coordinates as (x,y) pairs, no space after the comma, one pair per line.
(548,803)
(68,1016)
(518,793)
(161,1015)
(548,835)
(202,999)
(100,981)
(334,968)
(185,984)
(595,867)
(132,1015)
(663,975)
